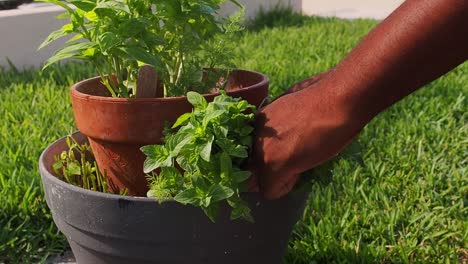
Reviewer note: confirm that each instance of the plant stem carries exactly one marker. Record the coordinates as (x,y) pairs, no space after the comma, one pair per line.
(104,79)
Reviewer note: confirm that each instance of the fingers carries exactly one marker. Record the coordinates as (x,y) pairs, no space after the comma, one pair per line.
(277,187)
(308,82)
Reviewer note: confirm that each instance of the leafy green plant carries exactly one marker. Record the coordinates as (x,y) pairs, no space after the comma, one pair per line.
(176,37)
(200,160)
(77,167)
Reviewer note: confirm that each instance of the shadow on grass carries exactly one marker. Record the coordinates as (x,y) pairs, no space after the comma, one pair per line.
(281,16)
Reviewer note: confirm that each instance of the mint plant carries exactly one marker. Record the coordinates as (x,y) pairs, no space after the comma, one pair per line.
(200,160)
(176,37)
(77,166)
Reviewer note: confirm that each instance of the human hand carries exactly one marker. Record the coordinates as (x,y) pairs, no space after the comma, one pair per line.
(305,127)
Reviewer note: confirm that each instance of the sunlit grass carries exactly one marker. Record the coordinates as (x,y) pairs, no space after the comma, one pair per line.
(407,203)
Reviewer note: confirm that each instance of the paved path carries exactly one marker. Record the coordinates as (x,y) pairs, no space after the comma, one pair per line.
(350,9)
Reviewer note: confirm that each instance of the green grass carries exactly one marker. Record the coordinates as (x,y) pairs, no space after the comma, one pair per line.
(406,203)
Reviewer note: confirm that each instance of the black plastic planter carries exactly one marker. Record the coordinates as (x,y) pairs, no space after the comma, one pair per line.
(109,228)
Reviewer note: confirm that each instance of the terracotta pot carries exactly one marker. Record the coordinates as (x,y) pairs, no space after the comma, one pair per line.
(118,127)
(110,228)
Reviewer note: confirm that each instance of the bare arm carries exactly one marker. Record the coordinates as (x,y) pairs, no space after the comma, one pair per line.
(417,43)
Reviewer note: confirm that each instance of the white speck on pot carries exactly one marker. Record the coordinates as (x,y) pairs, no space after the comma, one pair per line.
(257,204)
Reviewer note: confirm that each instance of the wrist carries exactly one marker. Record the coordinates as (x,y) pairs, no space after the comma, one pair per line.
(351,100)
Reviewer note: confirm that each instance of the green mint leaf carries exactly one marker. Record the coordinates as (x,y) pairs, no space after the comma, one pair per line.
(150,164)
(182,120)
(212,211)
(168,162)
(246,141)
(225,144)
(219,192)
(153,151)
(152,193)
(188,196)
(225,164)
(247,130)
(73,168)
(220,132)
(212,115)
(185,164)
(241,176)
(242,105)
(156,156)
(242,211)
(206,201)
(186,140)
(197,100)
(239,152)
(205,153)
(175,142)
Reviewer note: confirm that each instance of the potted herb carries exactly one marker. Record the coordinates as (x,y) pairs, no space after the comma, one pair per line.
(149,55)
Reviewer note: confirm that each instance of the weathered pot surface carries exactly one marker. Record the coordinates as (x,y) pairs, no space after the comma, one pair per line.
(118,127)
(109,228)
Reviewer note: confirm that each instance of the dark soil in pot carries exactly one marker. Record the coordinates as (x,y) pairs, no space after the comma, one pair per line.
(118,127)
(109,228)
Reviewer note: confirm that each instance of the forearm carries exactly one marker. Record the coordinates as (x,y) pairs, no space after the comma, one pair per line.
(318,117)
(420,41)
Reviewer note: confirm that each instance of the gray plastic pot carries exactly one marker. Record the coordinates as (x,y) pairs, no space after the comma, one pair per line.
(109,228)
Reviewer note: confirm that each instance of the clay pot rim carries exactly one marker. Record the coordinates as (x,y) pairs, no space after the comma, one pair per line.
(77,94)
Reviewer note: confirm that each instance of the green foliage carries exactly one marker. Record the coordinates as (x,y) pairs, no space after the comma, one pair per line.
(76,166)
(209,145)
(177,37)
(406,204)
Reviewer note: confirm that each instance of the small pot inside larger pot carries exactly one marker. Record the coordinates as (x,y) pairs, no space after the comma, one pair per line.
(118,127)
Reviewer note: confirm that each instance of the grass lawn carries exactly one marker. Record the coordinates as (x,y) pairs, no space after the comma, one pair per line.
(406,202)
